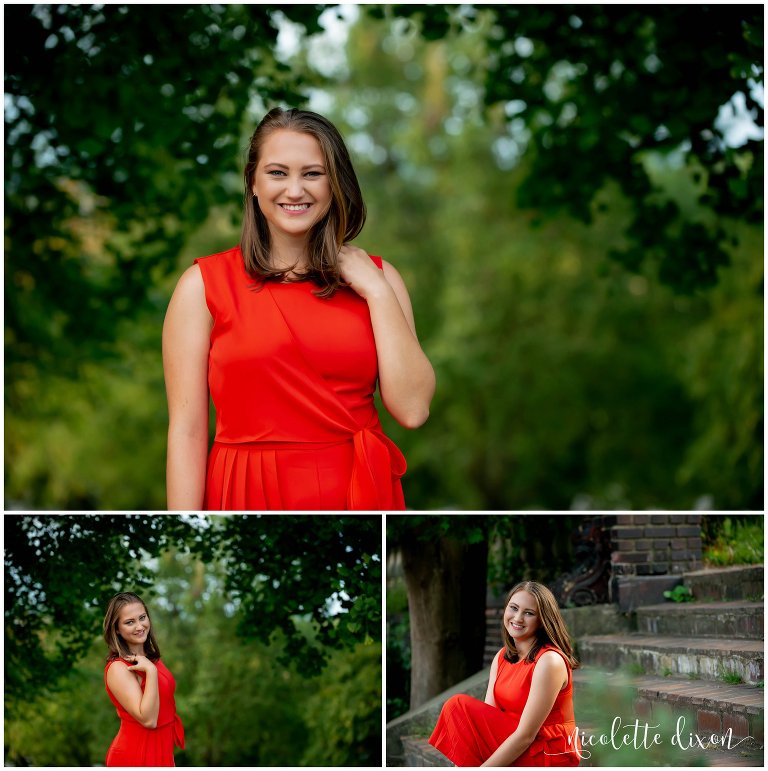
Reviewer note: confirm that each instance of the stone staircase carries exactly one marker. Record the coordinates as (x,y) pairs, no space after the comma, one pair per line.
(701,660)
(697,662)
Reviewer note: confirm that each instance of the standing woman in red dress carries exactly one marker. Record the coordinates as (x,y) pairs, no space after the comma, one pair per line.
(140,686)
(527,717)
(289,333)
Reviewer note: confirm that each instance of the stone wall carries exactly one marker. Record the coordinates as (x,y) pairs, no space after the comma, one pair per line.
(656,544)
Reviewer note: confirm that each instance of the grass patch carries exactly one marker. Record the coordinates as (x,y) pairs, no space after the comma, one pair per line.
(737,540)
(679,594)
(731,678)
(634,668)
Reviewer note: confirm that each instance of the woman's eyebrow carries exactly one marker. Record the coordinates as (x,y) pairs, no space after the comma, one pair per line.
(309,166)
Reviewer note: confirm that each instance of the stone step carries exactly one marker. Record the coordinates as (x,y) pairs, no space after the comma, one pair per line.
(740,619)
(740,582)
(702,657)
(418,753)
(709,707)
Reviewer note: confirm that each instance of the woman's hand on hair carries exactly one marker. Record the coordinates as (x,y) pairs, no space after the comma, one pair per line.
(406,378)
(361,273)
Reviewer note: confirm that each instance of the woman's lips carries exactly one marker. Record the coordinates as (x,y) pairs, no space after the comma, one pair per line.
(297,208)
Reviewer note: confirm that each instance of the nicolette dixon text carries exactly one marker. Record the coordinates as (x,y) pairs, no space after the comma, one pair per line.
(639,736)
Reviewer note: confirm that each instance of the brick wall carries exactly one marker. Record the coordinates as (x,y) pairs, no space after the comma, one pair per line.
(655,544)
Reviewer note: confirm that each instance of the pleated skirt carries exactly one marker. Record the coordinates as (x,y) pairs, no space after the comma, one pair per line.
(273,477)
(136,746)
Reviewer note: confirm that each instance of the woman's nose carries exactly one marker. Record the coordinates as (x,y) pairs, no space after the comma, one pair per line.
(295,187)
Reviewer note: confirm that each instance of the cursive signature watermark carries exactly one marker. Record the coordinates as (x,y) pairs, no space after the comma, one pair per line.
(642,736)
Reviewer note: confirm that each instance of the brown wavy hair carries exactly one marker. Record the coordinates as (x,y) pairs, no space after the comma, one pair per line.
(551,631)
(341,223)
(118,647)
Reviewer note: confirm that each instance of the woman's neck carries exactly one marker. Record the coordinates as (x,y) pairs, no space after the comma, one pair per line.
(288,253)
(523,648)
(138,650)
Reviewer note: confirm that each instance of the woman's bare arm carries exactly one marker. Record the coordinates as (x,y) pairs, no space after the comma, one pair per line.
(143,707)
(186,341)
(406,378)
(489,697)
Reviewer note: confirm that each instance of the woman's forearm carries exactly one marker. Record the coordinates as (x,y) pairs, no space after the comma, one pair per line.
(185,470)
(406,377)
(510,749)
(150,701)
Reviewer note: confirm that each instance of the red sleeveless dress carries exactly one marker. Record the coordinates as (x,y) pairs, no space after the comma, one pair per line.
(469,731)
(135,745)
(292,378)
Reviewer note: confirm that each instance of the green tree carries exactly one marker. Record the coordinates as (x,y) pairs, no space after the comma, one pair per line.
(563,377)
(588,91)
(240,706)
(444,562)
(115,113)
(55,596)
(343,710)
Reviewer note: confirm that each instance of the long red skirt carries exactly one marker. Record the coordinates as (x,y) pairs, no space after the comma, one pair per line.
(136,746)
(469,731)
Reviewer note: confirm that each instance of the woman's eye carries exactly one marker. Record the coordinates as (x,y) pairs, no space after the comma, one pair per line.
(275,173)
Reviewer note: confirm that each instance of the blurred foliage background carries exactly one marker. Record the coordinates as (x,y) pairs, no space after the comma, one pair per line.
(259,679)
(573,194)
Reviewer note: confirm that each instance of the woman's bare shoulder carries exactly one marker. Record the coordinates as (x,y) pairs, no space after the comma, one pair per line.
(116,673)
(189,295)
(552,659)
(191,279)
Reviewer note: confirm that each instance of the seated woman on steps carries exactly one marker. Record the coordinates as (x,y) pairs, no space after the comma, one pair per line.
(527,716)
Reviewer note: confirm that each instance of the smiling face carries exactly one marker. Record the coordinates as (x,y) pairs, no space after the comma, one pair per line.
(521,616)
(133,624)
(291,183)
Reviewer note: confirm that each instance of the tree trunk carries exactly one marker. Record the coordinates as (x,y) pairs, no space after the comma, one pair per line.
(446,582)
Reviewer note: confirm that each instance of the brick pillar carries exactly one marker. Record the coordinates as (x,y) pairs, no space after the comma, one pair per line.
(656,544)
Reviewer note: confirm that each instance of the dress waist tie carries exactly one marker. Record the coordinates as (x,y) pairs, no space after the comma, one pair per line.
(178,730)
(376,460)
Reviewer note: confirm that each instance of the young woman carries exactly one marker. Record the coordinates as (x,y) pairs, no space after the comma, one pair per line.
(527,716)
(140,686)
(289,333)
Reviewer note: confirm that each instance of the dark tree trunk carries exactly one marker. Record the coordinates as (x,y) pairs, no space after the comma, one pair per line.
(446,582)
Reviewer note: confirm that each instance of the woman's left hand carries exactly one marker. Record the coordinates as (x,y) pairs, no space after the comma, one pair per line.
(360,272)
